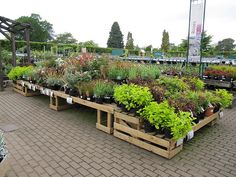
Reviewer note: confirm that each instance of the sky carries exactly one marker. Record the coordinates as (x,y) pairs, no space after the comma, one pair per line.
(146,20)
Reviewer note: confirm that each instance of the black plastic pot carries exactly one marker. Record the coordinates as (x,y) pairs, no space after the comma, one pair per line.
(201,115)
(216,108)
(99,100)
(167,133)
(123,108)
(73,92)
(62,89)
(196,120)
(67,90)
(55,87)
(107,100)
(148,127)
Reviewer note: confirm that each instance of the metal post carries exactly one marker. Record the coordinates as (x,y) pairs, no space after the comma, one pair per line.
(1,70)
(13,45)
(190,12)
(203,28)
(27,36)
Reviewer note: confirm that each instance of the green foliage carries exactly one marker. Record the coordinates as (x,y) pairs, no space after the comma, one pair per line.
(163,116)
(42,30)
(18,72)
(115,39)
(165,45)
(54,81)
(132,96)
(194,83)
(149,72)
(103,89)
(117,73)
(65,38)
(130,41)
(226,45)
(226,98)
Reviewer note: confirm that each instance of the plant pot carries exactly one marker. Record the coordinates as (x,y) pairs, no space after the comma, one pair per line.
(73,92)
(62,89)
(148,127)
(209,111)
(67,90)
(196,120)
(107,100)
(123,108)
(167,133)
(200,115)
(216,107)
(99,100)
(55,87)
(4,166)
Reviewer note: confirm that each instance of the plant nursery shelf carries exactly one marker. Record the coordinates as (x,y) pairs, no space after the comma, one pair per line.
(130,129)
(218,83)
(24,90)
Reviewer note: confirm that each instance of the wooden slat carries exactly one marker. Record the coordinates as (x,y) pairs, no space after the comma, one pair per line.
(126,118)
(59,108)
(139,134)
(104,128)
(205,121)
(142,144)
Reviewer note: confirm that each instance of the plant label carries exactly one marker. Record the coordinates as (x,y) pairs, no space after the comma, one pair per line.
(23,84)
(221,114)
(47,92)
(51,94)
(190,135)
(69,100)
(30,86)
(33,88)
(179,142)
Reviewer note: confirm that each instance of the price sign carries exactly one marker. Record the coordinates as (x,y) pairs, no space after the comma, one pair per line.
(51,94)
(190,135)
(179,142)
(33,88)
(221,114)
(69,100)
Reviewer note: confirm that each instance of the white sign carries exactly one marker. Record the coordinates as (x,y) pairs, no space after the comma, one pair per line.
(51,94)
(30,86)
(190,135)
(221,114)
(33,88)
(22,83)
(69,100)
(196,29)
(179,142)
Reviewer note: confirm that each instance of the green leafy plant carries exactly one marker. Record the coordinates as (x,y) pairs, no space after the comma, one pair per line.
(18,72)
(54,80)
(132,96)
(149,72)
(226,98)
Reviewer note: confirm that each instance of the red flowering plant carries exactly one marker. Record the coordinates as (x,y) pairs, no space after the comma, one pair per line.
(217,74)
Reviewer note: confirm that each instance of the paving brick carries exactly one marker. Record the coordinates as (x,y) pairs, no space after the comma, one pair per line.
(66,143)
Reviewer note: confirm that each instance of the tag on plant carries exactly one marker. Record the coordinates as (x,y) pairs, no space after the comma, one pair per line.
(69,100)
(23,84)
(33,88)
(190,135)
(221,114)
(51,94)
(47,92)
(179,142)
(30,86)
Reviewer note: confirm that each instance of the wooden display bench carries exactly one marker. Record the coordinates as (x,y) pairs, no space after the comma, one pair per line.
(218,83)
(130,129)
(106,126)
(22,88)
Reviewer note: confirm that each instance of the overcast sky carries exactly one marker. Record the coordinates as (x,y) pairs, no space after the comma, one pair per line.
(146,20)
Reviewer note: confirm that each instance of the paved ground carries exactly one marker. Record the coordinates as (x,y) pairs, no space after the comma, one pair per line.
(50,143)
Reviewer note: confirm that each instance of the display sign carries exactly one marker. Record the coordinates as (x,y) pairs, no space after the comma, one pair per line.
(196,29)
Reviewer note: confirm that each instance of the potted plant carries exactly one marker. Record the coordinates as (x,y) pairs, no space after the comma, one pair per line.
(4,159)
(132,97)
(54,82)
(225,98)
(99,91)
(109,92)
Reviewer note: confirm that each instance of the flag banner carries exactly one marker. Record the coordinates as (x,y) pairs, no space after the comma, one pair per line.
(196,29)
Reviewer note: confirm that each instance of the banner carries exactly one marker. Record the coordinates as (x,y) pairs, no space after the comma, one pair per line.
(196,29)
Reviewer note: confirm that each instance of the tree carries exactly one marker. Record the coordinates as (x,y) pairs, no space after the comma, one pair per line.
(225,45)
(89,44)
(41,30)
(115,39)
(65,38)
(165,45)
(130,41)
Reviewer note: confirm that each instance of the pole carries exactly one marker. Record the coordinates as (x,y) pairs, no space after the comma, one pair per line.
(202,35)
(189,23)
(13,45)
(1,70)
(27,36)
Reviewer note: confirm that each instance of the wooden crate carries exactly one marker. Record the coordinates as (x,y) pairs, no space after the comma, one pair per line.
(23,89)
(130,129)
(218,83)
(106,126)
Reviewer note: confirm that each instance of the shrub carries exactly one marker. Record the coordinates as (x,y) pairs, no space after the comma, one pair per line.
(18,72)
(132,96)
(226,98)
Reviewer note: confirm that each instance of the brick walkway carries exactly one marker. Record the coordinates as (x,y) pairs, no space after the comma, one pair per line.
(50,143)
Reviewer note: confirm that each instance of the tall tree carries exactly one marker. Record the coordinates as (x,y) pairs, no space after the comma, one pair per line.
(65,38)
(115,39)
(90,43)
(130,41)
(165,45)
(41,30)
(225,45)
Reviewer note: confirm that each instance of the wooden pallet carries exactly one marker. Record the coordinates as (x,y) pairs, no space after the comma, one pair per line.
(24,90)
(218,83)
(106,126)
(130,129)
(211,120)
